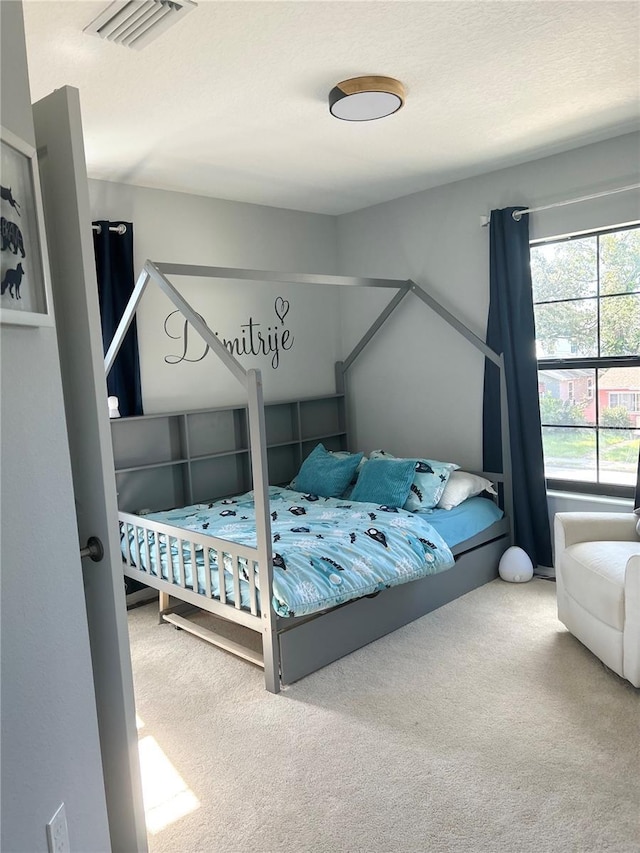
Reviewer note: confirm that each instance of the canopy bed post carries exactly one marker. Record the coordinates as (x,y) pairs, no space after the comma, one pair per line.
(340,379)
(258,444)
(341,388)
(125,321)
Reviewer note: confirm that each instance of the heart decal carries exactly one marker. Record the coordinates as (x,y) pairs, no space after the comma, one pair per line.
(281,307)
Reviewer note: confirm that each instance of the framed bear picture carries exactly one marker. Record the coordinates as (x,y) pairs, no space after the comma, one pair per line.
(25,290)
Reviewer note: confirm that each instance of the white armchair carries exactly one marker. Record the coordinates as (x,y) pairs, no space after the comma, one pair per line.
(597,557)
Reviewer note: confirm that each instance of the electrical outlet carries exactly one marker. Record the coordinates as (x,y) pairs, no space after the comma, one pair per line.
(57,832)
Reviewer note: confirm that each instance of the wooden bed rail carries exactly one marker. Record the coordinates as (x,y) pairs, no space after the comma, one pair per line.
(161,547)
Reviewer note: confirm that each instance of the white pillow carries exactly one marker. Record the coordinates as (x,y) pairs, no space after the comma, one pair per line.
(461,486)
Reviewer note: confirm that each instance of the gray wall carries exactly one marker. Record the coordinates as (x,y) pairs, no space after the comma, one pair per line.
(419,387)
(50,750)
(189,229)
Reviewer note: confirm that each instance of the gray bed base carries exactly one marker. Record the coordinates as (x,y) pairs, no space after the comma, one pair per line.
(307,647)
(308,643)
(301,646)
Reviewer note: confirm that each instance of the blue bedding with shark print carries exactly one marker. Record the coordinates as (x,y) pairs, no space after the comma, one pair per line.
(326,551)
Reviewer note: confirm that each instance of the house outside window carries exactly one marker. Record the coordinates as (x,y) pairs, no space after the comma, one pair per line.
(590,389)
(586,293)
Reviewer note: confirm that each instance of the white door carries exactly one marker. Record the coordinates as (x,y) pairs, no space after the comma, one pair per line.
(66,204)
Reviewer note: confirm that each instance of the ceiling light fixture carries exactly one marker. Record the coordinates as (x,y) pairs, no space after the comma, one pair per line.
(366,98)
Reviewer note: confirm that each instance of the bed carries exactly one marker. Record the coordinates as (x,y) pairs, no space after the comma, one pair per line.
(239,544)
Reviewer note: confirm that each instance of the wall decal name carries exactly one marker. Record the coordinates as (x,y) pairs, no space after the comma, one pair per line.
(253,339)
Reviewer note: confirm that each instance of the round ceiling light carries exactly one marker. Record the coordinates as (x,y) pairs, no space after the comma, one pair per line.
(366,98)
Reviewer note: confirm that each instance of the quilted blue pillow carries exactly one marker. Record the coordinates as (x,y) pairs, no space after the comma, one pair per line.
(325,474)
(430,478)
(385,481)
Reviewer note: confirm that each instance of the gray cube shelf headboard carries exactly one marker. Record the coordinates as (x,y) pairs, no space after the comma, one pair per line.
(180,458)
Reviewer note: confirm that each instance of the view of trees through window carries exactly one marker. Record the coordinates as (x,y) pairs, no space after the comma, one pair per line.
(586,293)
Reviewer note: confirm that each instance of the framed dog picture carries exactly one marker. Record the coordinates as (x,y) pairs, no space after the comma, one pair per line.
(25,290)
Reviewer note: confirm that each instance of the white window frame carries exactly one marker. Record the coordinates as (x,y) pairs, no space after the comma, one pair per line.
(595,363)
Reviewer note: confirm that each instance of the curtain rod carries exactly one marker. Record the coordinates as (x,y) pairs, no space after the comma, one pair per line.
(518,214)
(119,229)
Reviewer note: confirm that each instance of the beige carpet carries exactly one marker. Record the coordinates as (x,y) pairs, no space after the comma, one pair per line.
(484,726)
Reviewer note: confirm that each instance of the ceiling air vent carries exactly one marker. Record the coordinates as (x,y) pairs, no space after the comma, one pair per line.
(135,23)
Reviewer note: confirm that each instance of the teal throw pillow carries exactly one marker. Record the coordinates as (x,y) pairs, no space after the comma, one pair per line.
(385,482)
(429,481)
(342,454)
(326,474)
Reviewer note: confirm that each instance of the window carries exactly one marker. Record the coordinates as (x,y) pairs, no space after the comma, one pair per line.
(630,402)
(586,293)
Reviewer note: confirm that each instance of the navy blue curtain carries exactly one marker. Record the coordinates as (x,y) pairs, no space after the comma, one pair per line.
(511,331)
(114,268)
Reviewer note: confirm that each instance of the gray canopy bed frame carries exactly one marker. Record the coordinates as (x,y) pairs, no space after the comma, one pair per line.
(294,647)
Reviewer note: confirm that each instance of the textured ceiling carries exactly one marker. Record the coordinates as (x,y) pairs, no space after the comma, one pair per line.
(232,101)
